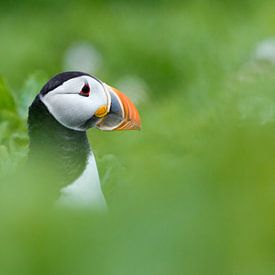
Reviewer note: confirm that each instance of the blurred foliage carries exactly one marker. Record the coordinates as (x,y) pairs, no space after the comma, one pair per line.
(193,192)
(13,138)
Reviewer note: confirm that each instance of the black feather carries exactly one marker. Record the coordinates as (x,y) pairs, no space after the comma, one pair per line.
(59,79)
(54,148)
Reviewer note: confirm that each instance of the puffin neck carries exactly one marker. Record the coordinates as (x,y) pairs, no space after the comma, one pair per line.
(54,147)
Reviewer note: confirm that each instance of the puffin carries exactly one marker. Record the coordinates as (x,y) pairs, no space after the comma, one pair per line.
(68,105)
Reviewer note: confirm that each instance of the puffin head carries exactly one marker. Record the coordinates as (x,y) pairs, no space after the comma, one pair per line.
(80,101)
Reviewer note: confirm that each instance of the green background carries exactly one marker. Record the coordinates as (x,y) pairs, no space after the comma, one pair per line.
(193,192)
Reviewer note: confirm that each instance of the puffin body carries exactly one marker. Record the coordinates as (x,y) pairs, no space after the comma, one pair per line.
(66,107)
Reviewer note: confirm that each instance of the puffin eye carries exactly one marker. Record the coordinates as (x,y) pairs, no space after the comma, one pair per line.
(85,91)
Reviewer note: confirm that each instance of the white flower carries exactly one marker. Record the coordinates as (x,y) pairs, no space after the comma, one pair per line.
(83,57)
(134,87)
(265,50)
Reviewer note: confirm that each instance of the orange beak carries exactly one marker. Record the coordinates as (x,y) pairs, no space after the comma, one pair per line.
(122,114)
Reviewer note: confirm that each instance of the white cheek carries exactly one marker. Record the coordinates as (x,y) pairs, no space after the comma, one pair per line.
(71,110)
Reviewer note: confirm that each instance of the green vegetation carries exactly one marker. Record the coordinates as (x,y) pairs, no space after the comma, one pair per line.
(194,191)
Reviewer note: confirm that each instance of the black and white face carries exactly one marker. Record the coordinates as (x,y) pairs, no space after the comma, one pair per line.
(78,102)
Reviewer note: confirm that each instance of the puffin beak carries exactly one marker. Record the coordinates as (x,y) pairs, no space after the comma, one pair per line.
(122,113)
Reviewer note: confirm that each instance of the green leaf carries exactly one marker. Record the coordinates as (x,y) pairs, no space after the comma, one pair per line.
(6,99)
(30,89)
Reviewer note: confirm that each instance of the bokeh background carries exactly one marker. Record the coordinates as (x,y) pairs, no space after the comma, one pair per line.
(194,191)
